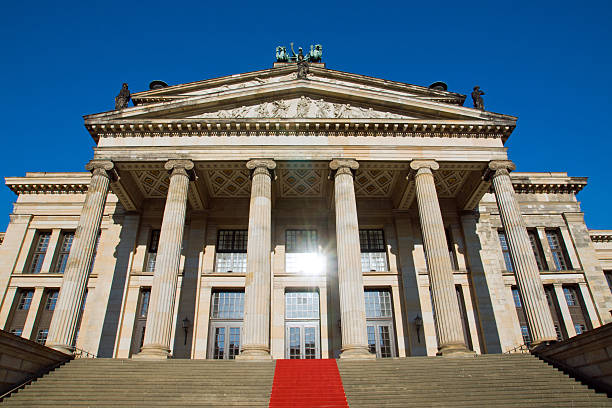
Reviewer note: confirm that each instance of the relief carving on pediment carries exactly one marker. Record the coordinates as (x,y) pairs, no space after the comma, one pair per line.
(302,107)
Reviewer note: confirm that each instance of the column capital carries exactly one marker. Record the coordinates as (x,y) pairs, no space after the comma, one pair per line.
(424,164)
(499,167)
(261,166)
(343,166)
(104,168)
(180,166)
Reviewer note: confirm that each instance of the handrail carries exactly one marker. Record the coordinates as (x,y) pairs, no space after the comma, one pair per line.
(522,349)
(80,353)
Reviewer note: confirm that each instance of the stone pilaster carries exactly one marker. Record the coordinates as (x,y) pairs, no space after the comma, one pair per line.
(67,309)
(163,291)
(350,277)
(256,340)
(526,271)
(448,317)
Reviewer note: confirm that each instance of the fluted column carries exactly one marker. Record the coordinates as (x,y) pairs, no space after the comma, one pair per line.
(256,332)
(539,319)
(350,277)
(163,291)
(448,317)
(68,307)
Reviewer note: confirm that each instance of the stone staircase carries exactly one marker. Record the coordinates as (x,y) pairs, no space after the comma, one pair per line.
(509,380)
(483,381)
(142,383)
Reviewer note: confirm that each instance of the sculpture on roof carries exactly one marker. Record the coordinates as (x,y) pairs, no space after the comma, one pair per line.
(302,65)
(281,54)
(477,98)
(315,54)
(122,100)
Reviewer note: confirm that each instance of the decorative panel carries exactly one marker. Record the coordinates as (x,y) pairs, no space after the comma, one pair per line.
(153,183)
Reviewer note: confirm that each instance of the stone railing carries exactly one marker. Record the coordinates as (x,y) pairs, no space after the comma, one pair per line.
(22,360)
(588,357)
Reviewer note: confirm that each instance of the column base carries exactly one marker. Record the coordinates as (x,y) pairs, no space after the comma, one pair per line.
(455,350)
(152,352)
(255,353)
(61,348)
(357,353)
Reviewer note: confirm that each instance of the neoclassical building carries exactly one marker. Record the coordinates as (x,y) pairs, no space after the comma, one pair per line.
(284,214)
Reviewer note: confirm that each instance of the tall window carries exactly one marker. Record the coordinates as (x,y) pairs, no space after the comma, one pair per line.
(140,321)
(226,314)
(451,252)
(373,252)
(609,279)
(505,251)
(39,251)
(517,298)
(51,300)
(558,250)
(25,300)
(231,251)
(152,251)
(301,249)
(577,309)
(95,253)
(537,249)
(63,252)
(379,322)
(41,336)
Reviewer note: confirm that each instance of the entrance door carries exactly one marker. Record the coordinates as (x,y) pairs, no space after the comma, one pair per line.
(225,344)
(302,332)
(302,340)
(380,339)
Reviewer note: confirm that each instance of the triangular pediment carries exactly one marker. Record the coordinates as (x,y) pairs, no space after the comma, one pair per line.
(279,94)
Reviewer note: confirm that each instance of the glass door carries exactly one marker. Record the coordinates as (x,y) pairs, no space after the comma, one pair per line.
(380,339)
(225,340)
(302,340)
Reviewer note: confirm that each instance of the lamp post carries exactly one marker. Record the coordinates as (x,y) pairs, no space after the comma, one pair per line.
(418,323)
(186,324)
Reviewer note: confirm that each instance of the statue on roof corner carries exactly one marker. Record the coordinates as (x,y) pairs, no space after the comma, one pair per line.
(315,54)
(122,100)
(302,65)
(281,54)
(477,98)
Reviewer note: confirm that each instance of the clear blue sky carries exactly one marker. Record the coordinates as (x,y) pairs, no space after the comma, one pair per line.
(549,63)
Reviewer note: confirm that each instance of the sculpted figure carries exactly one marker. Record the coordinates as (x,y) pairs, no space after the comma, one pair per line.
(122,100)
(477,98)
(281,54)
(315,54)
(322,109)
(341,110)
(279,109)
(302,65)
(302,107)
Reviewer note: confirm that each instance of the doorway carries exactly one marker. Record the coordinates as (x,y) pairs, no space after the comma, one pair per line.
(302,324)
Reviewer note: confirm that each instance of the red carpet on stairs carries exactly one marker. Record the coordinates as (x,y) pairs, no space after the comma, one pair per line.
(307,383)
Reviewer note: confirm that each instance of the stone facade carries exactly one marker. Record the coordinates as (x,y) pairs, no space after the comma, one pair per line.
(287,217)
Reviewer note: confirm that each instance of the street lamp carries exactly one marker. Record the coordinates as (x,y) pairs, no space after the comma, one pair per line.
(186,324)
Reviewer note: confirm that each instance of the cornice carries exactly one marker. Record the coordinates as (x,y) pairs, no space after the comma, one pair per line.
(601,235)
(49,183)
(538,184)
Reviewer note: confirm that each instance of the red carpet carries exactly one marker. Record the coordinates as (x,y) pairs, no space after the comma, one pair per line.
(307,383)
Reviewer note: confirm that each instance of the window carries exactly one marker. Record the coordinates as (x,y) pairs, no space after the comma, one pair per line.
(17,331)
(580,328)
(301,248)
(451,252)
(231,251)
(577,309)
(25,300)
(39,251)
(51,300)
(302,331)
(505,251)
(41,336)
(373,252)
(537,249)
(517,298)
(152,251)
(226,314)
(140,322)
(302,305)
(558,250)
(379,322)
(95,253)
(145,296)
(526,335)
(609,279)
(570,296)
(64,251)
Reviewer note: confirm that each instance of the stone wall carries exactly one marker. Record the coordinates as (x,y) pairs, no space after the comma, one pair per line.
(587,357)
(21,359)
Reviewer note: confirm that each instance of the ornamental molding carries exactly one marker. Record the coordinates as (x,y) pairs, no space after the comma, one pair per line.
(601,236)
(546,188)
(59,188)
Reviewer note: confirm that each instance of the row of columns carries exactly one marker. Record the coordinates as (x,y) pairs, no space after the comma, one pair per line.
(256,335)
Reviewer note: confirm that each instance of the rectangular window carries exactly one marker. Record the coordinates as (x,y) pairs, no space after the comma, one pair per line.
(301,248)
(145,295)
(580,328)
(378,304)
(537,249)
(373,251)
(25,300)
(609,279)
(231,251)
(558,250)
(451,252)
(63,251)
(226,313)
(302,305)
(17,331)
(51,300)
(517,298)
(505,251)
(570,296)
(41,336)
(39,251)
(526,335)
(227,305)
(152,251)
(95,253)
(379,322)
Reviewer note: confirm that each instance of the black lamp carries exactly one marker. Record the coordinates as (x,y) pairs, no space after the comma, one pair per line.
(418,323)
(186,324)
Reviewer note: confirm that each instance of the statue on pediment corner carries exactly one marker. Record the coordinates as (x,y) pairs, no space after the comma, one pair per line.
(477,98)
(122,100)
(315,54)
